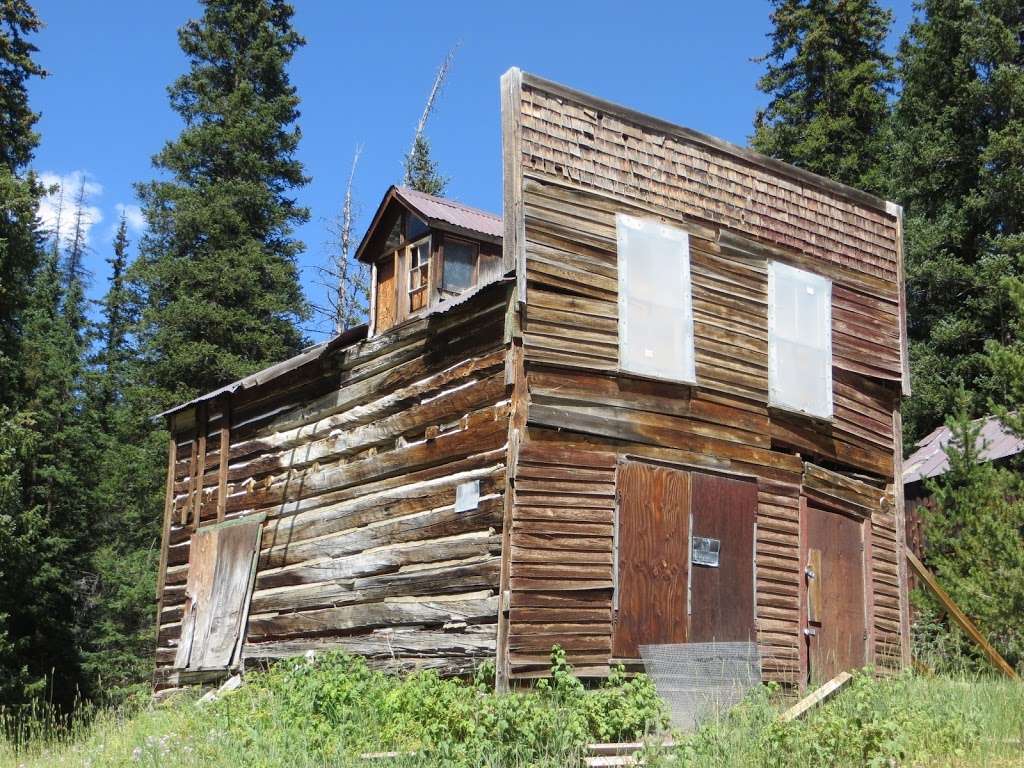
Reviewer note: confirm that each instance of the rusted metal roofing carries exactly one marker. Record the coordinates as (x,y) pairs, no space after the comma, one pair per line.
(308,355)
(440,209)
(930,459)
(438,213)
(315,352)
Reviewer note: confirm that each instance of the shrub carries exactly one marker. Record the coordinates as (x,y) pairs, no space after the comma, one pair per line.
(344,708)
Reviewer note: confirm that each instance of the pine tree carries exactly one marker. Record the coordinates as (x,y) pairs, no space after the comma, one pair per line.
(829,78)
(975,547)
(217,268)
(112,357)
(421,171)
(19,190)
(51,521)
(958,165)
(117,639)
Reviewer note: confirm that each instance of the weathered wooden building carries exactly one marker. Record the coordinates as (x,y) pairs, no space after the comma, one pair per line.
(656,402)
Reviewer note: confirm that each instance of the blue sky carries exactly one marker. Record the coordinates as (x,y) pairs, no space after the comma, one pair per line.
(363,77)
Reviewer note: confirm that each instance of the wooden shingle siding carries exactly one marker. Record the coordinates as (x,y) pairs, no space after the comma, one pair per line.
(577,163)
(591,148)
(355,461)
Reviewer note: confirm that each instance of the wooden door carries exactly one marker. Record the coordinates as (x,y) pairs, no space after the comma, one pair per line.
(386,299)
(222,559)
(723,511)
(654,509)
(834,575)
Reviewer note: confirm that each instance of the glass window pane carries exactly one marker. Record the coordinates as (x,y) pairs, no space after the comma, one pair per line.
(800,340)
(459,265)
(415,227)
(655,309)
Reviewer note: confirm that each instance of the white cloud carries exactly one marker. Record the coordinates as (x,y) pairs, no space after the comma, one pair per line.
(57,208)
(133,215)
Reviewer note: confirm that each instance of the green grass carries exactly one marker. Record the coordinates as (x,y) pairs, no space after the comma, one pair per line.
(301,715)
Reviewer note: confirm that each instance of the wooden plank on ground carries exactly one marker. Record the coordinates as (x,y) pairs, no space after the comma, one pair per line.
(820,696)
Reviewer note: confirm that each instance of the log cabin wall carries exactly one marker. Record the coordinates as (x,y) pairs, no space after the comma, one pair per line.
(354,459)
(572,162)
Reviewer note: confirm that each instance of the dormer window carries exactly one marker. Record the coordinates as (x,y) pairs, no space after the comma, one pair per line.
(425,252)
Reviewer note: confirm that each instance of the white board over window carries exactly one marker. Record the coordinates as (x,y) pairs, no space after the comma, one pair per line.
(655,306)
(799,340)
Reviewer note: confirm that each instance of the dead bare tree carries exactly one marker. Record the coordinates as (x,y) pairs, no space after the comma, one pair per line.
(420,171)
(346,279)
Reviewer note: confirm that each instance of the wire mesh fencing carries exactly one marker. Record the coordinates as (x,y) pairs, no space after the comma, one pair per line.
(701,681)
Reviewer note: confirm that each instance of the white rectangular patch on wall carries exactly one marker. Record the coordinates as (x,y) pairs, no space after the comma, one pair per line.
(799,340)
(655,303)
(467,496)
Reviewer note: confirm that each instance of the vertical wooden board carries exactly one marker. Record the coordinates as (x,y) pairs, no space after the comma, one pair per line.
(225,451)
(198,588)
(722,597)
(838,641)
(386,297)
(236,546)
(813,575)
(654,509)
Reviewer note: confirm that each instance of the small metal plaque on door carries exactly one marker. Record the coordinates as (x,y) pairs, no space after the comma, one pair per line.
(705,551)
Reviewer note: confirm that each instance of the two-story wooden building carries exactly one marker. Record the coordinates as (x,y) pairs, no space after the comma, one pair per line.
(657,401)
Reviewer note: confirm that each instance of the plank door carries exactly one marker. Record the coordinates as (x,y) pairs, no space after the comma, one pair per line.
(834,575)
(722,595)
(222,559)
(386,300)
(654,510)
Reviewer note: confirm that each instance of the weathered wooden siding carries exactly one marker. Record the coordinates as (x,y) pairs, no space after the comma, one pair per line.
(561,559)
(354,458)
(571,163)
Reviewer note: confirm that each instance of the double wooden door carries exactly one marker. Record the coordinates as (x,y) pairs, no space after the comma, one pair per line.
(665,594)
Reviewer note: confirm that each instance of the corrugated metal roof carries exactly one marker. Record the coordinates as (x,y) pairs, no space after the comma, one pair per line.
(341,341)
(930,459)
(272,372)
(435,209)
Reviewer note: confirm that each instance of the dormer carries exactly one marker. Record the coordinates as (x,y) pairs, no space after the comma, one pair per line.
(426,252)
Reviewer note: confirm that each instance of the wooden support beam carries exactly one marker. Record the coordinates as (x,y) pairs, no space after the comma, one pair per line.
(202,425)
(820,696)
(225,450)
(960,617)
(165,534)
(192,457)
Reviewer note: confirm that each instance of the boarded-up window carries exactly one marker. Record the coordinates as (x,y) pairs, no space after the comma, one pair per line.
(799,340)
(655,307)
(222,561)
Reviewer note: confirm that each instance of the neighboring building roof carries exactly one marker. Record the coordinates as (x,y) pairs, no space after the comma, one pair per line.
(929,460)
(439,213)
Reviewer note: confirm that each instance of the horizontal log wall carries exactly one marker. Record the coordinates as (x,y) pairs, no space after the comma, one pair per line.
(355,459)
(576,162)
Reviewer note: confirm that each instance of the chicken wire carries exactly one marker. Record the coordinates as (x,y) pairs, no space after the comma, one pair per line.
(701,681)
